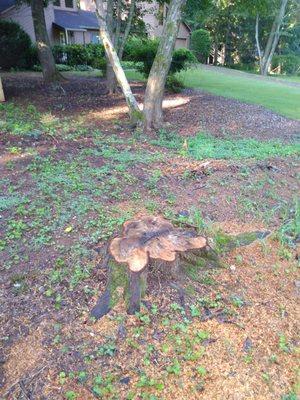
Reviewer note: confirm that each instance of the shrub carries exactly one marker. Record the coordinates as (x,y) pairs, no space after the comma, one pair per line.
(16,50)
(181,59)
(201,44)
(143,51)
(174,84)
(78,54)
(83,68)
(63,68)
(288,63)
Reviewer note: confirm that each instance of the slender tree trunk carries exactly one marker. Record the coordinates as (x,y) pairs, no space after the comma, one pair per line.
(2,98)
(216,53)
(153,114)
(134,111)
(127,29)
(257,41)
(45,55)
(110,75)
(267,55)
(118,42)
(228,58)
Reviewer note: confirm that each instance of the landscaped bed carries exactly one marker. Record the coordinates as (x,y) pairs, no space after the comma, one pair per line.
(71,172)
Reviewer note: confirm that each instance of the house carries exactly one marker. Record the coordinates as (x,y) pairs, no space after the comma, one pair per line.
(66,22)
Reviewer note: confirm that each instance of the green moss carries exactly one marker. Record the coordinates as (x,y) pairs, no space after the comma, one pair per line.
(192,271)
(118,278)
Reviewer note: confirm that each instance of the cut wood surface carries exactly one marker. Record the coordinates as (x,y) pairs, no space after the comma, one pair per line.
(152,238)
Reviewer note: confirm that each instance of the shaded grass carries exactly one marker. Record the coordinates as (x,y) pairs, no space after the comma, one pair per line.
(280,98)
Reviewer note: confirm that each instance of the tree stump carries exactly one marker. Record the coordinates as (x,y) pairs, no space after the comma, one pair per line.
(144,242)
(154,242)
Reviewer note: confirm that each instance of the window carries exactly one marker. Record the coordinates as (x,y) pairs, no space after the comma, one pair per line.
(95,37)
(56,3)
(69,3)
(71,37)
(62,38)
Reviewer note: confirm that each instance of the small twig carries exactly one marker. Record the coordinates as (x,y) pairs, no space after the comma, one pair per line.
(23,390)
(29,378)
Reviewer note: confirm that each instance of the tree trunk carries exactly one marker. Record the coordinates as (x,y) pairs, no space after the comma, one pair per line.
(119,46)
(267,55)
(2,98)
(257,42)
(153,114)
(110,75)
(227,46)
(134,111)
(216,53)
(127,29)
(136,290)
(45,55)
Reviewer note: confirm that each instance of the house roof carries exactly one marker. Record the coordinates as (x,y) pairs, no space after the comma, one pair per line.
(188,27)
(5,4)
(75,20)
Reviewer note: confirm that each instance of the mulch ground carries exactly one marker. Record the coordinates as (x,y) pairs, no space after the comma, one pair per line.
(188,112)
(249,310)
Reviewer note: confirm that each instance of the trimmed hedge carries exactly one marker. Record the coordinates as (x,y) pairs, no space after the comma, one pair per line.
(91,54)
(16,50)
(201,44)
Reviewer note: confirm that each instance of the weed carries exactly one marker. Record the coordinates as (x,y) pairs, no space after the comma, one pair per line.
(195,312)
(145,381)
(82,376)
(237,301)
(15,229)
(283,344)
(62,377)
(202,335)
(174,368)
(108,349)
(248,358)
(143,317)
(266,377)
(103,387)
(71,395)
(201,371)
(168,139)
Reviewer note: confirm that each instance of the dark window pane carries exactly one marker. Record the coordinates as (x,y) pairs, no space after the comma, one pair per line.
(69,3)
(56,3)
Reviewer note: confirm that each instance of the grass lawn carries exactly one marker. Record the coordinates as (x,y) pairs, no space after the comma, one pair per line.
(289,78)
(280,98)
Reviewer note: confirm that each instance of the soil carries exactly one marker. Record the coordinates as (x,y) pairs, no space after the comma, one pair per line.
(245,338)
